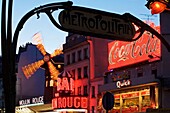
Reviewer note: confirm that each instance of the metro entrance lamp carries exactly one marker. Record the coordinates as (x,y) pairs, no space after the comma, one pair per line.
(157,6)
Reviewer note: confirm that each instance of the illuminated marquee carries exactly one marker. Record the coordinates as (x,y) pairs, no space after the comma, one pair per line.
(64,98)
(65,84)
(125,53)
(69,102)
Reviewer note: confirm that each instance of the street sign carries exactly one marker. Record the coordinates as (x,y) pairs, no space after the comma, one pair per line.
(108,101)
(91,22)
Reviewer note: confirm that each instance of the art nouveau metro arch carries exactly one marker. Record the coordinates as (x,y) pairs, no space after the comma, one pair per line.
(75,19)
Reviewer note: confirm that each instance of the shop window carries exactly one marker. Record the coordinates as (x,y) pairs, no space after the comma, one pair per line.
(73,57)
(85,91)
(85,72)
(93,92)
(130,105)
(79,55)
(116,104)
(68,59)
(79,90)
(145,103)
(85,53)
(79,73)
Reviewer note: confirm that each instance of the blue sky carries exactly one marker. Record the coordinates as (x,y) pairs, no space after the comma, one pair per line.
(54,38)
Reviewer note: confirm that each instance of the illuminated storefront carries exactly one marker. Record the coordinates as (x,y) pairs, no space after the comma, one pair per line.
(136,99)
(133,68)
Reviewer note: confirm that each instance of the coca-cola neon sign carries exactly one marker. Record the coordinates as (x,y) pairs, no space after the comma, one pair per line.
(125,53)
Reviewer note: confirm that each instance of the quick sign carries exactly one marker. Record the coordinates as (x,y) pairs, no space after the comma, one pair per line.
(96,23)
(123,83)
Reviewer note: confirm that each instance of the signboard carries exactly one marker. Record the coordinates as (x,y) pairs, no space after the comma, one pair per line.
(64,95)
(96,23)
(123,83)
(70,102)
(122,53)
(29,101)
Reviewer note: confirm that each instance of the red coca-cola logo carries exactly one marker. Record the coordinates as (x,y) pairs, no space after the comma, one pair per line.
(123,53)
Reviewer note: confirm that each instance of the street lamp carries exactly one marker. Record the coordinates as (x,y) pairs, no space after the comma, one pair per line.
(9,44)
(157,6)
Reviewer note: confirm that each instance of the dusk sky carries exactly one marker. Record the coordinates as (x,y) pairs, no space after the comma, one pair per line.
(53,37)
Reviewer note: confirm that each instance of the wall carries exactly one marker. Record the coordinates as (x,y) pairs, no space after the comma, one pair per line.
(34,86)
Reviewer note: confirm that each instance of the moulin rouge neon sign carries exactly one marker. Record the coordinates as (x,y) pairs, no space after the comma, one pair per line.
(125,53)
(64,97)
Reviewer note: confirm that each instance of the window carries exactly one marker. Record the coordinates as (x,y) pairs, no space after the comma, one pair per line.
(139,72)
(85,72)
(92,109)
(93,91)
(154,72)
(68,59)
(79,90)
(79,73)
(154,69)
(105,79)
(85,53)
(73,74)
(73,57)
(85,91)
(79,55)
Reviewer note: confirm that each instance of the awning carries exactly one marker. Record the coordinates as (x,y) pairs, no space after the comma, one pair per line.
(41,108)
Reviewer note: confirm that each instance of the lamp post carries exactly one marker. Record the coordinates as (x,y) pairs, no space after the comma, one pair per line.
(9,44)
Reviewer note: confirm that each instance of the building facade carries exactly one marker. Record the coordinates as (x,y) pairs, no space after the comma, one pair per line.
(86,59)
(137,75)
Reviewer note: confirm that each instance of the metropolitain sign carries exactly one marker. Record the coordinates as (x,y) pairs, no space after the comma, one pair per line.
(91,22)
(121,53)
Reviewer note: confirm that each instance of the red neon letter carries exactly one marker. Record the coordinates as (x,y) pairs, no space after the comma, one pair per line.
(59,86)
(65,84)
(72,84)
(77,102)
(83,102)
(70,102)
(64,102)
(59,102)
(54,103)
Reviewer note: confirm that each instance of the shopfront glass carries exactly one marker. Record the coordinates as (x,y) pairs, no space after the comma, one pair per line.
(133,101)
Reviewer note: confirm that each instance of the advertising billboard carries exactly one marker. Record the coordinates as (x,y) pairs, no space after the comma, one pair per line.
(146,48)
